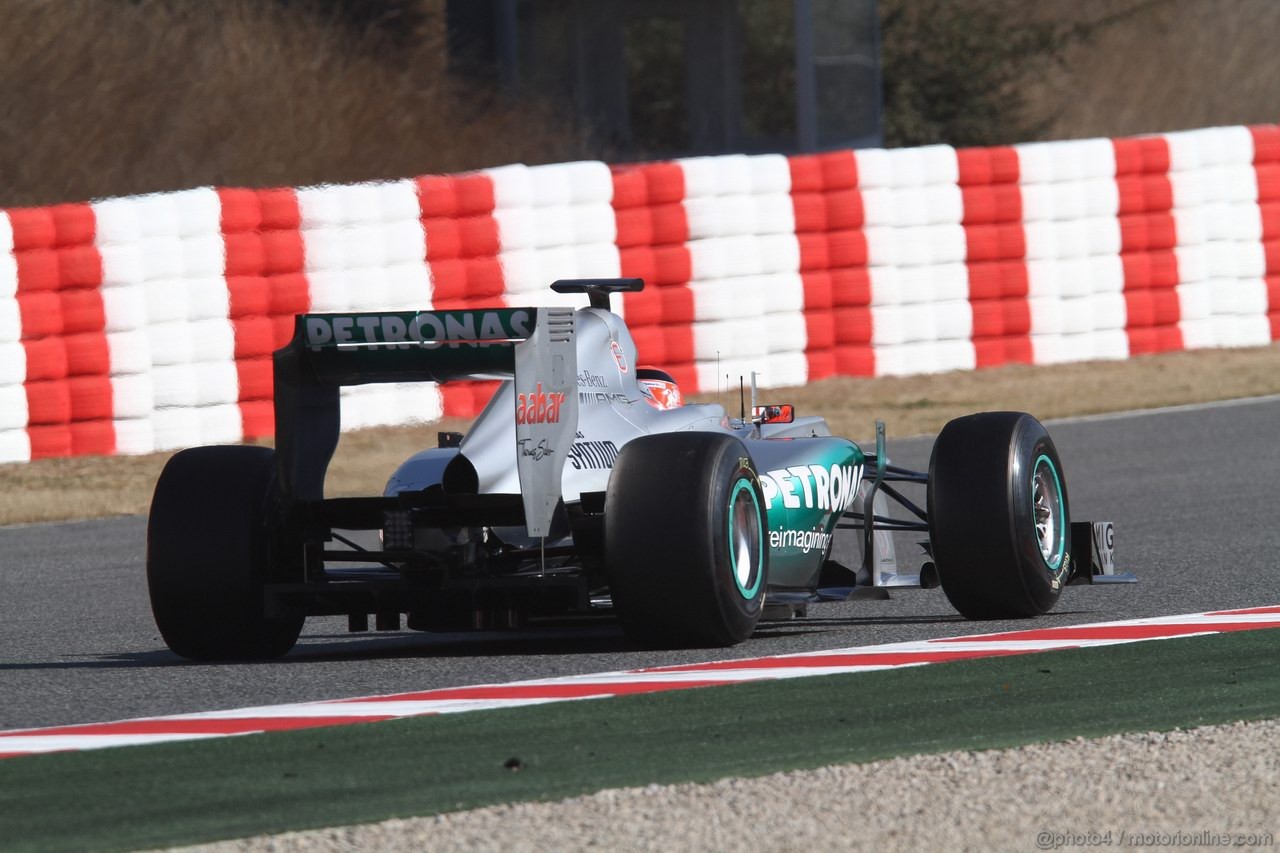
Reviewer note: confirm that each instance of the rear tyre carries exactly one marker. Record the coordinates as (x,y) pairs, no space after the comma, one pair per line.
(686,540)
(999,523)
(210,543)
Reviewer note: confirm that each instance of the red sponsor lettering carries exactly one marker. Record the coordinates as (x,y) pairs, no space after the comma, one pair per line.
(539,407)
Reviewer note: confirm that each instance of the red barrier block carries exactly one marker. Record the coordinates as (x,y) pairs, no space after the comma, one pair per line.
(33,228)
(87,354)
(257,418)
(46,358)
(41,314)
(90,397)
(82,310)
(820,327)
(256,378)
(92,438)
(855,361)
(49,441)
(821,363)
(253,337)
(48,402)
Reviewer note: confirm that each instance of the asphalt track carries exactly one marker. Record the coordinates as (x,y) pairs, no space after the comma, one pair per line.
(1192,491)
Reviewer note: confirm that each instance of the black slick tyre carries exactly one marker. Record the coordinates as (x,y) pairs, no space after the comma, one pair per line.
(686,540)
(210,549)
(999,523)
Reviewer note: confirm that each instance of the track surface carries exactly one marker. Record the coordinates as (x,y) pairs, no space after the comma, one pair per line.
(1191,491)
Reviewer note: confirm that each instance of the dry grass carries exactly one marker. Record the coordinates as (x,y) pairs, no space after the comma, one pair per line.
(109,98)
(1172,65)
(92,487)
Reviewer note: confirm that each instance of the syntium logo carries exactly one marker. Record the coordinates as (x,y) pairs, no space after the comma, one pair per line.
(593,454)
(424,329)
(830,487)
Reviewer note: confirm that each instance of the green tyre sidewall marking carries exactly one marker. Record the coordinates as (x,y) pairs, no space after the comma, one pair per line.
(743,484)
(1056,564)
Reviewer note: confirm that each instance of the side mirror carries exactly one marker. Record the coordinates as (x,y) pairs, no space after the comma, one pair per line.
(783,414)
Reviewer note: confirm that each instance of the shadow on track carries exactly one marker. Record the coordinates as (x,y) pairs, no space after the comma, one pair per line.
(537,642)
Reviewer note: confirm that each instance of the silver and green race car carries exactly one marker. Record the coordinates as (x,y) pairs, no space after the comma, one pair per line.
(587,487)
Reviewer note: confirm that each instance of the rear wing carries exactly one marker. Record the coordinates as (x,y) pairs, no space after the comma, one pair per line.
(534,346)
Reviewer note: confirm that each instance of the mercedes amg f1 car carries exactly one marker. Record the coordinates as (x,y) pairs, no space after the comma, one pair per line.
(586,487)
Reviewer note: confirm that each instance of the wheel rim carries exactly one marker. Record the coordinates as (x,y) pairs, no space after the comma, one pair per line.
(746,539)
(1046,500)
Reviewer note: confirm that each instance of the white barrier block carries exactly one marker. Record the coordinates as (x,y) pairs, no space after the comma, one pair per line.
(784,370)
(8,264)
(321,208)
(217,383)
(15,446)
(165,299)
(207,298)
(161,257)
(596,260)
(1241,331)
(552,227)
(593,223)
(786,332)
(1193,263)
(550,185)
(512,186)
(10,320)
(130,351)
(220,424)
(199,211)
(874,168)
(122,265)
(1192,224)
(133,396)
(134,436)
(1046,315)
(13,406)
(1110,311)
(1097,159)
(368,289)
(770,175)
(782,291)
(13,364)
(728,299)
(1035,163)
(170,343)
(175,428)
(1195,301)
(408,286)
(417,402)
(1197,333)
(328,290)
(953,320)
(362,247)
(398,201)
(886,285)
(158,215)
(116,222)
(404,242)
(888,326)
(212,340)
(175,388)
(732,339)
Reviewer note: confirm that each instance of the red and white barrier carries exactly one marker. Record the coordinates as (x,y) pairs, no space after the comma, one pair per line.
(147,323)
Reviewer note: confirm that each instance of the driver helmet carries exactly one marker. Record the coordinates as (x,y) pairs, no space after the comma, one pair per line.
(659,388)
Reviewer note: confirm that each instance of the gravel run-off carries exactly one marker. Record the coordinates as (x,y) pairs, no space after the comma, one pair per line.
(1202,788)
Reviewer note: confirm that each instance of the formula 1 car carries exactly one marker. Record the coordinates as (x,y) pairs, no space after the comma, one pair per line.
(586,487)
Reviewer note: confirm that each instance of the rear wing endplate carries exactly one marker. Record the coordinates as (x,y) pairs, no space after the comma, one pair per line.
(533,346)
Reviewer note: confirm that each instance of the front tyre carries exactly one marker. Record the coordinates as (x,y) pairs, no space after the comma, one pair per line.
(999,522)
(686,540)
(210,544)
